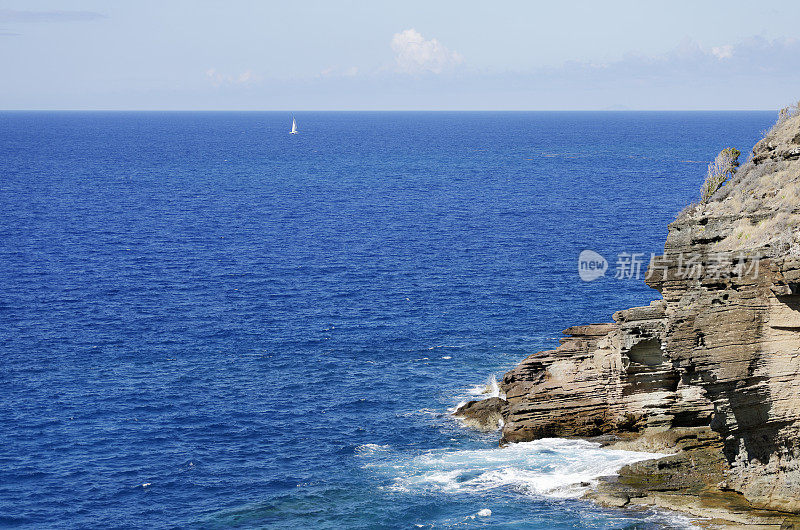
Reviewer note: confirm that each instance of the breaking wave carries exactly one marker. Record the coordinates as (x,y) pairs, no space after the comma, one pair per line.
(549,467)
(489,389)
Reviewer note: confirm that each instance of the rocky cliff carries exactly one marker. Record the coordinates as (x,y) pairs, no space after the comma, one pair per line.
(716,361)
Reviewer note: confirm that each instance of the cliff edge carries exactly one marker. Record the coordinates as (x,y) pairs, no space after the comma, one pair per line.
(711,372)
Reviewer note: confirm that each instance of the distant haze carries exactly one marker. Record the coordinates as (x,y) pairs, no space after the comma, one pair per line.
(361,55)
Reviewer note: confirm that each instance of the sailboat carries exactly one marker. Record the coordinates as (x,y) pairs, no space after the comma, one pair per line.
(294,127)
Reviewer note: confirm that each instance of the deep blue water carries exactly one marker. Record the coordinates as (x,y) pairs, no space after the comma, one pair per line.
(268,330)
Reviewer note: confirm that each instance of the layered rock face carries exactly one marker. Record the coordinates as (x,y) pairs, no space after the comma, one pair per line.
(603,378)
(721,350)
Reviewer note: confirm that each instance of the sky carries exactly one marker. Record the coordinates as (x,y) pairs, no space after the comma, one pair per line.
(412,55)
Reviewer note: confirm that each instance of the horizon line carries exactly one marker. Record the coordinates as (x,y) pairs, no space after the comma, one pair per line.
(383,110)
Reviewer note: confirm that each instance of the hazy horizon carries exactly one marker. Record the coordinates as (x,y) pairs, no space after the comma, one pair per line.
(354,55)
(299,111)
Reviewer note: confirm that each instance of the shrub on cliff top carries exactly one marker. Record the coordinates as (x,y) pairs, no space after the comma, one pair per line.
(783,115)
(788,112)
(723,167)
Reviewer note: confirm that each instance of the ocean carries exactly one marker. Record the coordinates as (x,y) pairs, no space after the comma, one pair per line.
(206,322)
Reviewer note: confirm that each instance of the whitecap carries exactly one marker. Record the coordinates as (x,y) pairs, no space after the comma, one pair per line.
(368,449)
(421,412)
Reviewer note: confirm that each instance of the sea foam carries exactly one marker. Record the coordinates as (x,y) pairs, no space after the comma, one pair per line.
(549,467)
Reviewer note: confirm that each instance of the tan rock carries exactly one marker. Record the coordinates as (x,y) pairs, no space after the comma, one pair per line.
(721,351)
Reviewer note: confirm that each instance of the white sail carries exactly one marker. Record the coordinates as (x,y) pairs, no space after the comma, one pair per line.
(294,126)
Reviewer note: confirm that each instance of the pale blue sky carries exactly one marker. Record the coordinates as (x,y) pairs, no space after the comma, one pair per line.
(402,55)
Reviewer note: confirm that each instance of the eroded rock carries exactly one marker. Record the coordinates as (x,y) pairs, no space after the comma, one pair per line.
(711,372)
(603,378)
(484,414)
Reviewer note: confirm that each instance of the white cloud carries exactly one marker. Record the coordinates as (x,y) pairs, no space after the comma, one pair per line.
(415,55)
(722,52)
(219,78)
(244,77)
(693,62)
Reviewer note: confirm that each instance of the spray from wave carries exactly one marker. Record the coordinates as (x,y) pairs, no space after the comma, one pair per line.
(486,390)
(489,389)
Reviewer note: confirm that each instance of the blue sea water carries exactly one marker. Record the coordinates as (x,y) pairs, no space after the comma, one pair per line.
(207,322)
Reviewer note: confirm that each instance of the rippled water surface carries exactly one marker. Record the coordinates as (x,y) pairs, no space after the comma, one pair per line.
(207,322)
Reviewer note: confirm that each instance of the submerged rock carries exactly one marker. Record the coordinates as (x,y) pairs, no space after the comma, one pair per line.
(485,414)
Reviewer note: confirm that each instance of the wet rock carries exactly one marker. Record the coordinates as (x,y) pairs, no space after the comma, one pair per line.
(485,414)
(614,499)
